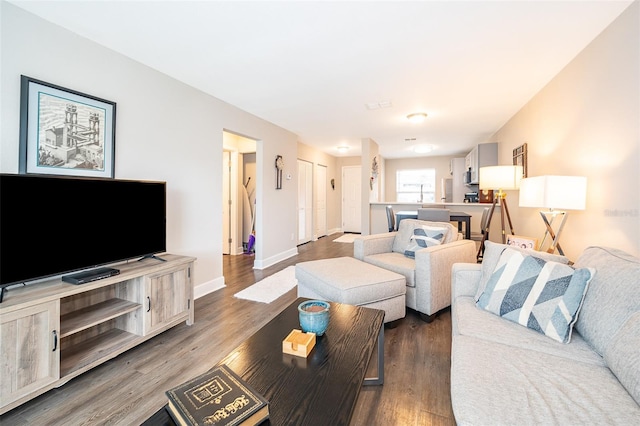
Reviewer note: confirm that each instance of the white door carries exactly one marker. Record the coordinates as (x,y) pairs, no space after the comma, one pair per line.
(321,201)
(351,203)
(305,201)
(226,202)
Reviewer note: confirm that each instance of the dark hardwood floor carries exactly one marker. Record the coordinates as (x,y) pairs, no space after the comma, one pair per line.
(129,388)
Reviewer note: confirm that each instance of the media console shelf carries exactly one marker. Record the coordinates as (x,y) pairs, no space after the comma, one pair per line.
(52,331)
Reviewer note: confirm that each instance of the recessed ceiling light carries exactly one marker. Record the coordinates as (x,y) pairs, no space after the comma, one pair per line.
(417,117)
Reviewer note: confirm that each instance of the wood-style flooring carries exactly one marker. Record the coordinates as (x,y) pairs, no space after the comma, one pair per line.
(129,388)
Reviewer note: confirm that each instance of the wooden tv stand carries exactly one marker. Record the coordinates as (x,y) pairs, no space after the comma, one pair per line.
(52,331)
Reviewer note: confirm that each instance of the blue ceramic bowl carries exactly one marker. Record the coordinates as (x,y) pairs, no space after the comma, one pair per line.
(314,316)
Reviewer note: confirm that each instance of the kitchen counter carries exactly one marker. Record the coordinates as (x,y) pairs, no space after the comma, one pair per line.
(378,214)
(428,205)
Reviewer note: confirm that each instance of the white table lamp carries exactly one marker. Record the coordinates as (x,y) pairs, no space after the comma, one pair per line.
(500,178)
(555,194)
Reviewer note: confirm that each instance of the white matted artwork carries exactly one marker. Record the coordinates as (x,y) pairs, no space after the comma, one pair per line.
(522,242)
(65,132)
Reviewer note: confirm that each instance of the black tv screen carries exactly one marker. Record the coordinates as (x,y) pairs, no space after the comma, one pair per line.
(51,225)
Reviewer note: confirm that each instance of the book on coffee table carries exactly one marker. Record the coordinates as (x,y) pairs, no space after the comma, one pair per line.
(217,397)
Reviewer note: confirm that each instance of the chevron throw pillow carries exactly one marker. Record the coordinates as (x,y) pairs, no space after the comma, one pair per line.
(424,236)
(545,296)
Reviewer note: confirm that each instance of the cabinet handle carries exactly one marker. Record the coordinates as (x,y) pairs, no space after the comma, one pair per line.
(149,304)
(55,341)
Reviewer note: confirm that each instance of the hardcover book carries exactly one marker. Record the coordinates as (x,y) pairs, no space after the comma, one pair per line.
(218,397)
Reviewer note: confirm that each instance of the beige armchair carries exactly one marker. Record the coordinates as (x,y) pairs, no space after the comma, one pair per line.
(428,275)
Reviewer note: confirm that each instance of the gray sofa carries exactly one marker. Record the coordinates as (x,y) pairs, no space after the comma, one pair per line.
(503,373)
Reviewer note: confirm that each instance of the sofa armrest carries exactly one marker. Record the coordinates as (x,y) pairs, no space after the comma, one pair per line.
(433,273)
(373,244)
(465,278)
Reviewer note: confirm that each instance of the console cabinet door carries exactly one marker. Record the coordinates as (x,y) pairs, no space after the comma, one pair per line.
(29,350)
(168,298)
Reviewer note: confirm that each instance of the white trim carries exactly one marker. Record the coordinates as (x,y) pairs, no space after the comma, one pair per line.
(208,287)
(262,264)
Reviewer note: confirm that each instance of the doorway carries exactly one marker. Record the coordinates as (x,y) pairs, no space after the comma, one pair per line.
(351,199)
(238,193)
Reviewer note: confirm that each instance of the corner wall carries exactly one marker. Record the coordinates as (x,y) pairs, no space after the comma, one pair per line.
(585,122)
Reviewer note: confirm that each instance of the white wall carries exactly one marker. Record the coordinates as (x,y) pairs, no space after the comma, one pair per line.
(165,130)
(586,122)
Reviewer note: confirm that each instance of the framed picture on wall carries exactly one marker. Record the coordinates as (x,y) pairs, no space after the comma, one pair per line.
(522,242)
(520,158)
(65,132)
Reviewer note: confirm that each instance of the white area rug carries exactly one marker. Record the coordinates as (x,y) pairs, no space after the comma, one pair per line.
(346,238)
(270,288)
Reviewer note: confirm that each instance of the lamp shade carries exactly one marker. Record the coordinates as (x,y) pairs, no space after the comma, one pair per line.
(500,177)
(554,192)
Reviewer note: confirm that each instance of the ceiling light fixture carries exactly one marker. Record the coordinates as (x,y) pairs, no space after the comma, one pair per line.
(417,117)
(422,149)
(343,148)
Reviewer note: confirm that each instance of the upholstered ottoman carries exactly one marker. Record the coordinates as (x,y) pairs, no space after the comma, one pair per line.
(348,280)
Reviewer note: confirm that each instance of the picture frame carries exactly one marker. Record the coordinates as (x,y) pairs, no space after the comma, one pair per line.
(527,243)
(65,132)
(520,158)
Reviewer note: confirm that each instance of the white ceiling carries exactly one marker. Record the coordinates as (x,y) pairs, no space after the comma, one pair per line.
(311,67)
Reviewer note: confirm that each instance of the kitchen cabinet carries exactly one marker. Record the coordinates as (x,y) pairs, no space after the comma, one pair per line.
(482,155)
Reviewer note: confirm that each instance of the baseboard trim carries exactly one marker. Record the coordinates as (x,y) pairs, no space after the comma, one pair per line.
(208,287)
(270,261)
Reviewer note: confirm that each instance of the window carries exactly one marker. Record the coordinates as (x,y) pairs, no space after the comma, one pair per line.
(416,186)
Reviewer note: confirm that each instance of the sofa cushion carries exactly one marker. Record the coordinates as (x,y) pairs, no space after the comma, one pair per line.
(542,295)
(613,296)
(424,236)
(503,385)
(397,263)
(469,320)
(405,232)
(623,356)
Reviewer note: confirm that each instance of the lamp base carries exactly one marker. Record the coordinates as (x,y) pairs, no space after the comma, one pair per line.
(555,236)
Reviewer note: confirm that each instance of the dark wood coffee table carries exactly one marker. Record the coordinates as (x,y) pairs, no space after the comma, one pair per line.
(321,389)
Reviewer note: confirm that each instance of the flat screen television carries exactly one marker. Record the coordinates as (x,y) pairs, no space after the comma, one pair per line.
(53,225)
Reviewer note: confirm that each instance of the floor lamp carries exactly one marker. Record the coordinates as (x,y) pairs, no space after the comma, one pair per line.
(500,178)
(553,193)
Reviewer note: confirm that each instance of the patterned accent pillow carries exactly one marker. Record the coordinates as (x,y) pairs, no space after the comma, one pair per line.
(424,236)
(492,253)
(539,294)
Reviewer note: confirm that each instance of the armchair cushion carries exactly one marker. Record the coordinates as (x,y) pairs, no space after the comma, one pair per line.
(395,262)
